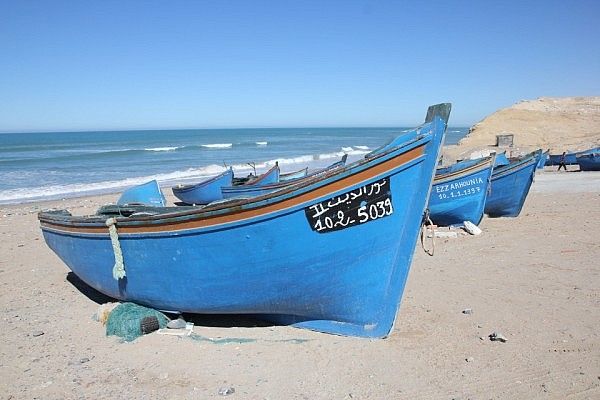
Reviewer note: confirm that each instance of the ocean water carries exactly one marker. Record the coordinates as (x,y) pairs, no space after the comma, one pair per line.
(54,165)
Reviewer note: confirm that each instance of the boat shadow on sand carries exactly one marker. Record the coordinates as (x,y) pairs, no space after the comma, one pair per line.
(204,320)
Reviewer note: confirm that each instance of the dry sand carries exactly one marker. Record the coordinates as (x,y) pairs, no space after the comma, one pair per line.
(534,278)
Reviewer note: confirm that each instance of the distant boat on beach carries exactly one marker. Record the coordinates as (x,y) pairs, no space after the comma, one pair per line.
(570,157)
(253,190)
(210,190)
(253,186)
(148,194)
(204,192)
(301,173)
(459,192)
(589,161)
(510,185)
(331,253)
(543,159)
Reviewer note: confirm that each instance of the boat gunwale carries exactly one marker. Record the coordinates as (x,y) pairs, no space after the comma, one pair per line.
(517,166)
(287,175)
(482,164)
(262,177)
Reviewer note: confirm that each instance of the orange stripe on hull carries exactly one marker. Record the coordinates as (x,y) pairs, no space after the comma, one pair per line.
(242,215)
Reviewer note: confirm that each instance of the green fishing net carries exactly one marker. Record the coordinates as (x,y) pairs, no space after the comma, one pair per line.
(124,320)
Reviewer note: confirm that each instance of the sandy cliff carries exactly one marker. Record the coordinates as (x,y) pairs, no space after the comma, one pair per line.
(558,124)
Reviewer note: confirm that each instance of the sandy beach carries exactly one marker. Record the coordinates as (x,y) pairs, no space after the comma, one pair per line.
(534,279)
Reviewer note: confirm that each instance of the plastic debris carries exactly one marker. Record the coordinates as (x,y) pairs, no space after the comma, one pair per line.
(444,234)
(471,228)
(189,329)
(178,323)
(104,311)
(497,337)
(226,391)
(467,311)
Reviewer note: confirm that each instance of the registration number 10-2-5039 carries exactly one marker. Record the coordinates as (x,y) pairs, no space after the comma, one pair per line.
(364,214)
(362,205)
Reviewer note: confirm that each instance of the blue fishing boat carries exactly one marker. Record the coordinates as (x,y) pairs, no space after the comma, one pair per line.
(589,161)
(204,192)
(501,160)
(459,192)
(247,191)
(331,254)
(271,176)
(554,159)
(148,194)
(543,159)
(301,173)
(570,157)
(510,186)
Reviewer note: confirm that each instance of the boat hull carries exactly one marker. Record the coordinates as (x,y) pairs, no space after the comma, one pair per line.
(256,187)
(543,160)
(290,256)
(589,162)
(204,192)
(148,193)
(554,159)
(510,185)
(459,192)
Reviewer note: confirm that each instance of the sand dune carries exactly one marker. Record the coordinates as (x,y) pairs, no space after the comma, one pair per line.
(558,124)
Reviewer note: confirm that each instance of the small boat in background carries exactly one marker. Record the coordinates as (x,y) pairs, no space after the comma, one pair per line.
(148,194)
(543,160)
(253,186)
(554,159)
(331,253)
(246,191)
(301,173)
(204,192)
(271,176)
(589,161)
(570,157)
(501,160)
(510,185)
(459,192)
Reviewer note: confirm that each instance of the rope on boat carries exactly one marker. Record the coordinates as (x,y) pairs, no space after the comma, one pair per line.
(119,268)
(427,221)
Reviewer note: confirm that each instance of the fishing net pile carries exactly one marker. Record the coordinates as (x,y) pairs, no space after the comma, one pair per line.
(127,320)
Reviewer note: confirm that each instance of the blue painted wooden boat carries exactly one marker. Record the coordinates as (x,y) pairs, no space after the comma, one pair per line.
(510,186)
(459,192)
(247,191)
(301,173)
(554,159)
(331,254)
(148,194)
(589,161)
(204,192)
(271,176)
(571,157)
(252,187)
(543,159)
(501,160)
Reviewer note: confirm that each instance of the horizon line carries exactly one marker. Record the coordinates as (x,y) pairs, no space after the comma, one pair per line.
(3,132)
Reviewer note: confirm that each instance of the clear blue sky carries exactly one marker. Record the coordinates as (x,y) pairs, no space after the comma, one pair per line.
(87,65)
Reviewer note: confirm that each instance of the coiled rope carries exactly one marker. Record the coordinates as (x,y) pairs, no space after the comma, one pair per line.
(119,268)
(427,221)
